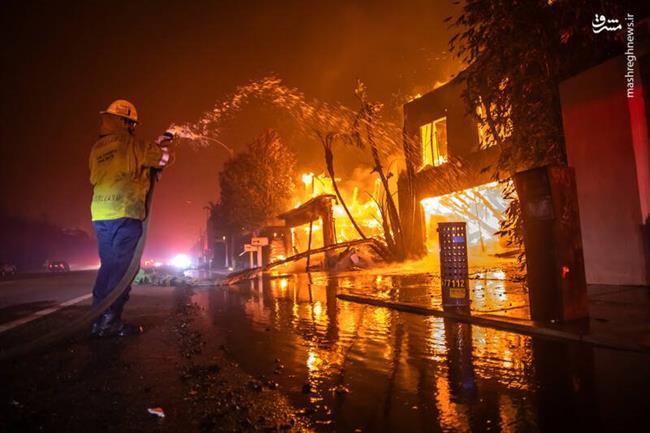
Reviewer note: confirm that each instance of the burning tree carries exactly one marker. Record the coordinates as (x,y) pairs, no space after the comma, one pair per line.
(365,130)
(257,184)
(331,124)
(362,132)
(328,140)
(517,53)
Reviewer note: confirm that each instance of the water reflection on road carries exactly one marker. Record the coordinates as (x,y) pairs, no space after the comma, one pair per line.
(361,368)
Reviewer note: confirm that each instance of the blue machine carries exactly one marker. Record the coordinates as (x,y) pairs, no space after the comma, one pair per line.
(453,264)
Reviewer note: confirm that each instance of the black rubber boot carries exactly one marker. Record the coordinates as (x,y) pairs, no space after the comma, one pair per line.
(123,329)
(127,329)
(94,331)
(110,325)
(102,324)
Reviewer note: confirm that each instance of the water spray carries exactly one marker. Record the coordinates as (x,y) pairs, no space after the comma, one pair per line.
(310,116)
(186,133)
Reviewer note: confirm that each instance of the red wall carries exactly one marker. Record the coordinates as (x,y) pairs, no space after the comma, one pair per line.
(607,144)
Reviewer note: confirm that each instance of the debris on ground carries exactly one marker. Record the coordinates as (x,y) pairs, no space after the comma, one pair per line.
(163,277)
(220,396)
(352,259)
(246,274)
(158,411)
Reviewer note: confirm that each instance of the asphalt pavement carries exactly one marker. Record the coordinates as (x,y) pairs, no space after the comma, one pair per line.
(21,297)
(286,353)
(114,385)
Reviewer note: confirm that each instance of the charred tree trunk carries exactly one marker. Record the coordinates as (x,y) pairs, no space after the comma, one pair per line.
(386,226)
(393,216)
(327,142)
(366,116)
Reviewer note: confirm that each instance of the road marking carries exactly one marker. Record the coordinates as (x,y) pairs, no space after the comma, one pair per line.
(42,313)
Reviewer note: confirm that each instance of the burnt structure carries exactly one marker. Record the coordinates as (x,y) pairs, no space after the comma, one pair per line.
(319,207)
(443,154)
(226,245)
(607,144)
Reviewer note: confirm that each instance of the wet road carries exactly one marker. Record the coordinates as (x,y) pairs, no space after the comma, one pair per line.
(344,366)
(360,368)
(26,295)
(108,385)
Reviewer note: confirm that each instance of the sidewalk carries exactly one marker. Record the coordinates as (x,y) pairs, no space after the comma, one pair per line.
(619,315)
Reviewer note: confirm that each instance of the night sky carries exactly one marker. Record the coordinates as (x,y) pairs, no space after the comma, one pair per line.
(65,61)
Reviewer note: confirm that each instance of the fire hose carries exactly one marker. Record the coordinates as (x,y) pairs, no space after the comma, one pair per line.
(82,322)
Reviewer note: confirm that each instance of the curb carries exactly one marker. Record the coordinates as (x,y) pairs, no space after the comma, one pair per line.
(527,328)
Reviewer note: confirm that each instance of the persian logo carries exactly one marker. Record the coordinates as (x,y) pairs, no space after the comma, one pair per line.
(601,23)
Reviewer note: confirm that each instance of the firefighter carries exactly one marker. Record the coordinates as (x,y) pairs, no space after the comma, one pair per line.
(120,170)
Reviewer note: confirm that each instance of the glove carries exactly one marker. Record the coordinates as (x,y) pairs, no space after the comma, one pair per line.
(163,142)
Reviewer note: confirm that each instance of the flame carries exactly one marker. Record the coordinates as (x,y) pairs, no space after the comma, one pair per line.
(365,212)
(307,179)
(360,203)
(481,207)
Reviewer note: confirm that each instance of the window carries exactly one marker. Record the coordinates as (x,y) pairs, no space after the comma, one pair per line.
(434,142)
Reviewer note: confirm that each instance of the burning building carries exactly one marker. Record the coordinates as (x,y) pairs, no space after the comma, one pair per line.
(606,139)
(317,219)
(446,176)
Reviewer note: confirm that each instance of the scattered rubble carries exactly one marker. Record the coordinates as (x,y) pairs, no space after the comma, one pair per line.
(157,411)
(220,396)
(163,277)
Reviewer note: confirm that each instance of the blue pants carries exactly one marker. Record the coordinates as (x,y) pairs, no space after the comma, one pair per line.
(117,240)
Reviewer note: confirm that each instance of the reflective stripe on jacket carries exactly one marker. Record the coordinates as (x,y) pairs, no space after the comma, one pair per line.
(119,173)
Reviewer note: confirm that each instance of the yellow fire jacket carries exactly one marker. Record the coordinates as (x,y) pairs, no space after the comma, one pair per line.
(119,171)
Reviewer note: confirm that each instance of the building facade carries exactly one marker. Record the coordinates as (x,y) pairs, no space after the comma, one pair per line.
(448,175)
(606,137)
(448,172)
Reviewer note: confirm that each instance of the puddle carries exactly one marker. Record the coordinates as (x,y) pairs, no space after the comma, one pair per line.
(361,368)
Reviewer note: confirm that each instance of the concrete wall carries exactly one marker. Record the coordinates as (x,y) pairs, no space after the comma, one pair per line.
(603,145)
